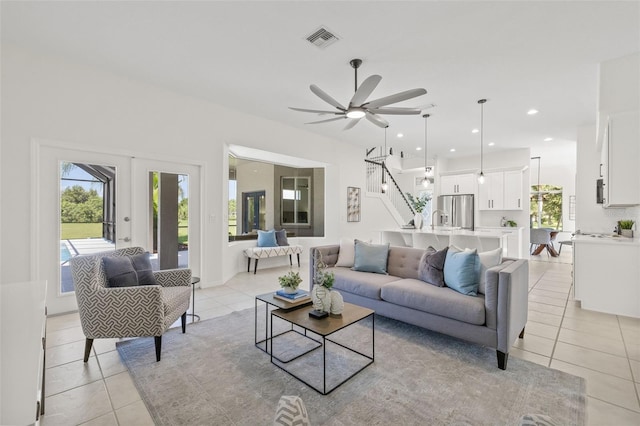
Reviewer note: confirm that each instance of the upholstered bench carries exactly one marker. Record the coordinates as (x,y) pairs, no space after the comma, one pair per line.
(258,253)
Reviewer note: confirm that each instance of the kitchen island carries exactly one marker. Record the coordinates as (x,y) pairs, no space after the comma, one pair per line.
(606,273)
(482,239)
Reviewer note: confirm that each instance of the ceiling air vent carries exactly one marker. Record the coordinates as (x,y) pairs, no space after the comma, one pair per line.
(322,37)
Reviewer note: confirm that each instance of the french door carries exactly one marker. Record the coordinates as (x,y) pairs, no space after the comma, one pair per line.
(51,251)
(129,224)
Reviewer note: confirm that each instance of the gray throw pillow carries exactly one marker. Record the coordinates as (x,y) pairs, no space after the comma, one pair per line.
(431,268)
(370,257)
(281,237)
(144,270)
(128,271)
(119,271)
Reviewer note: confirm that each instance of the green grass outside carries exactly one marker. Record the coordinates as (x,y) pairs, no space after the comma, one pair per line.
(70,231)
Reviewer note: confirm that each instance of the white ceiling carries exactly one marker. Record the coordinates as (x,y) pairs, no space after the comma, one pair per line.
(253,57)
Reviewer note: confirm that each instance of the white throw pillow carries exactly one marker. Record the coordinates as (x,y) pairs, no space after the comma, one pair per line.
(488,259)
(347,252)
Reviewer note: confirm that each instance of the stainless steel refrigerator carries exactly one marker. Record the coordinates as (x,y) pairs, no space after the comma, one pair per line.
(455,211)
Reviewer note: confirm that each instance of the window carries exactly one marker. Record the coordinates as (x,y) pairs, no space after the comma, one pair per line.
(546,207)
(295,201)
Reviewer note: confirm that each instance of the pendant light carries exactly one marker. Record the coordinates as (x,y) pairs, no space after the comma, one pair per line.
(425,181)
(481,175)
(384,185)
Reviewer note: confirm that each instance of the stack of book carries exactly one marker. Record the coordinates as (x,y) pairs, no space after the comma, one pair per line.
(297,297)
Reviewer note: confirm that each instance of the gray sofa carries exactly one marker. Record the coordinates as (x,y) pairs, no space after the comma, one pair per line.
(495,318)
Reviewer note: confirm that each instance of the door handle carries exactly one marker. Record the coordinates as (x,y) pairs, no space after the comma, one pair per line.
(125,239)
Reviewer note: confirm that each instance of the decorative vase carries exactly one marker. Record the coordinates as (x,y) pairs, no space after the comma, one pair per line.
(321,297)
(417,221)
(290,290)
(337,303)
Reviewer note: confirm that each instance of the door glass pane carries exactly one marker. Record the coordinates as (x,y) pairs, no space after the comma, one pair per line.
(87,214)
(169,198)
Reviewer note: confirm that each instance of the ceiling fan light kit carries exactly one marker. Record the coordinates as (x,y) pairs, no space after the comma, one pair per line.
(359,108)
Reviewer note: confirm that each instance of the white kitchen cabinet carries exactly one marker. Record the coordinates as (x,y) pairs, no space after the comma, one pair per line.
(491,192)
(621,160)
(606,274)
(501,191)
(458,184)
(23,345)
(513,190)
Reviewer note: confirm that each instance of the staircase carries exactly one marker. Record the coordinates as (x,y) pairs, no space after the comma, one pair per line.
(393,198)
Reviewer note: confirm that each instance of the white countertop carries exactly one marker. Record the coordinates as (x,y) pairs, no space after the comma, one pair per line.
(605,239)
(486,232)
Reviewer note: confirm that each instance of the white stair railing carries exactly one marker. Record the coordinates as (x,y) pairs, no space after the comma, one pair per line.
(377,173)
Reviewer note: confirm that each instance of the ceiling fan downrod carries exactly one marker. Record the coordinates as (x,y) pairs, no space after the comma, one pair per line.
(355,64)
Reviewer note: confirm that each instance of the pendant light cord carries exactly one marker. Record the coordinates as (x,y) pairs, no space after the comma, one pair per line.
(482,102)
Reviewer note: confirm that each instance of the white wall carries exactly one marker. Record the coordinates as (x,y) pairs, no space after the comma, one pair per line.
(49,98)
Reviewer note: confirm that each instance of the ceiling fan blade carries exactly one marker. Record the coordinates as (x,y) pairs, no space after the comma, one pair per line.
(327,120)
(325,97)
(317,111)
(398,97)
(365,90)
(395,111)
(352,123)
(378,121)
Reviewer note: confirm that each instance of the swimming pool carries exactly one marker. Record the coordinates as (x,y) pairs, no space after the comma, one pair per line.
(65,254)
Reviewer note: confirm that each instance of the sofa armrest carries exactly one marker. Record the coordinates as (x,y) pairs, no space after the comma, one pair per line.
(173,277)
(513,296)
(328,254)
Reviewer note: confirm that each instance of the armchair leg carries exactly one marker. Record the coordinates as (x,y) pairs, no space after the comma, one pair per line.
(158,347)
(87,349)
(184,322)
(521,334)
(502,360)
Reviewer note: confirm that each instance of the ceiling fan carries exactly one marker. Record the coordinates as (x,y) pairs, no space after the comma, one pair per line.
(358,105)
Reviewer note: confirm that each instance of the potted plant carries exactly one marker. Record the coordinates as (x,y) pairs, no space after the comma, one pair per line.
(626,228)
(418,204)
(290,282)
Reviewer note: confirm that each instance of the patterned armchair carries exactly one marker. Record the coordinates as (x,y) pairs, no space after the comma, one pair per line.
(146,310)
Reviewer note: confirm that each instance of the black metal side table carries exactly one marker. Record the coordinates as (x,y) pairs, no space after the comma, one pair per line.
(194,317)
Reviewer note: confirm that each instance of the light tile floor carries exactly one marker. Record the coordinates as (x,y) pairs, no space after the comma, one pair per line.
(602,348)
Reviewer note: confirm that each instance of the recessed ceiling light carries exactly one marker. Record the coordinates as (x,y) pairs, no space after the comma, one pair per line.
(492,143)
(418,148)
(475,131)
(532,111)
(452,150)
(400,135)
(548,139)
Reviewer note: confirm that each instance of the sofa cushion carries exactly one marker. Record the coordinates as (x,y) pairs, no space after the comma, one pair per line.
(370,257)
(431,269)
(404,261)
(267,239)
(366,285)
(441,301)
(347,252)
(462,270)
(488,259)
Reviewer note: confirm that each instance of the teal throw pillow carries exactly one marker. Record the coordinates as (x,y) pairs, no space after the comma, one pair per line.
(462,271)
(370,257)
(267,239)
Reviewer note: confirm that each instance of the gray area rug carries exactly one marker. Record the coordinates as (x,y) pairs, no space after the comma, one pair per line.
(214,375)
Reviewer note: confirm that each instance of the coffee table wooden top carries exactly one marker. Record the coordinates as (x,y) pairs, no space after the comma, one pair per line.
(328,325)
